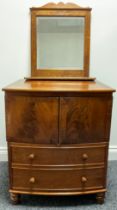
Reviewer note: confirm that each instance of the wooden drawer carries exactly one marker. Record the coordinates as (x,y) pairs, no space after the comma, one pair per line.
(36,155)
(67,179)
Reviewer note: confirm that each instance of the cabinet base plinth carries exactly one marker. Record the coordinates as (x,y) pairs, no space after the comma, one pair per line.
(16,195)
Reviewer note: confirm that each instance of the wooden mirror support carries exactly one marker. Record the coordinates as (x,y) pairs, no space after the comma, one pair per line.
(60,10)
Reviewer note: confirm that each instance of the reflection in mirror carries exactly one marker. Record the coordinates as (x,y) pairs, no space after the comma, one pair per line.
(60,43)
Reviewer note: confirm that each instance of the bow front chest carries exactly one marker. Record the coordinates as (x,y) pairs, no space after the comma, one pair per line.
(58,137)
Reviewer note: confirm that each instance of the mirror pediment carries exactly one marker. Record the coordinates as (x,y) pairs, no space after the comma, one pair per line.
(61,5)
(60,40)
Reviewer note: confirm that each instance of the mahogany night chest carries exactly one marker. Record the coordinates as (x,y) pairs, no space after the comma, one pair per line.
(58,121)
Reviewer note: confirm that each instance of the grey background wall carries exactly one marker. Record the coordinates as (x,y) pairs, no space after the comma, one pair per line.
(15,51)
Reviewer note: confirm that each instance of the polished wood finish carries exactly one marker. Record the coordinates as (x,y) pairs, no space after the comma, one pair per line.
(58,180)
(29,123)
(61,5)
(60,10)
(77,119)
(67,193)
(58,87)
(65,155)
(58,137)
(60,78)
(58,124)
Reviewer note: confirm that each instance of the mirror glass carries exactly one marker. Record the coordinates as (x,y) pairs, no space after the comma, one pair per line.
(60,43)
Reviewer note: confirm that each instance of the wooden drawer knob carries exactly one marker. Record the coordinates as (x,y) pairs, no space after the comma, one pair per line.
(84,179)
(84,156)
(32,180)
(31,156)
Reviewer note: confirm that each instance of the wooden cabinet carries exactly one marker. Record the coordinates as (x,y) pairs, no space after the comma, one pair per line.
(58,121)
(58,140)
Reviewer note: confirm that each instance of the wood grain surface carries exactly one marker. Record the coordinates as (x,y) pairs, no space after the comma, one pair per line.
(58,86)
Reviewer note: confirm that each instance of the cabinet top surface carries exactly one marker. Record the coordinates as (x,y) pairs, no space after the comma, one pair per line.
(58,86)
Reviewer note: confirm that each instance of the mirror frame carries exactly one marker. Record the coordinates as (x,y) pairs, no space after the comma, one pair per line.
(60,10)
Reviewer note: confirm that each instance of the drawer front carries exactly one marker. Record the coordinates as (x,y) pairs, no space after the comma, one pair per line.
(58,155)
(57,180)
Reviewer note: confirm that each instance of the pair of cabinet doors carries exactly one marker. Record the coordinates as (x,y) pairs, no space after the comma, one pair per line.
(57,120)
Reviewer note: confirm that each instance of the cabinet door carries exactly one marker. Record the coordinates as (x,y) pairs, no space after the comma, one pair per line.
(32,119)
(84,119)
